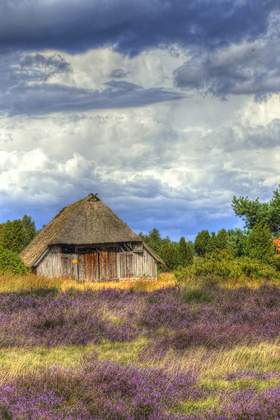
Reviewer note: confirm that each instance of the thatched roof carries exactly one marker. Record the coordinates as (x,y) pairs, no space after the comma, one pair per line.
(86,222)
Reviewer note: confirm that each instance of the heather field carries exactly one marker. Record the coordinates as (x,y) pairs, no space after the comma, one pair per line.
(139,350)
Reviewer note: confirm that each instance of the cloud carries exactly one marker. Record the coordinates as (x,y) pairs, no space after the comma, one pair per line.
(244,68)
(38,67)
(26,88)
(50,98)
(88,103)
(173,175)
(129,25)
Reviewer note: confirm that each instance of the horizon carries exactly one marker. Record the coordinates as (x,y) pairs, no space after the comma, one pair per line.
(190,237)
(166,109)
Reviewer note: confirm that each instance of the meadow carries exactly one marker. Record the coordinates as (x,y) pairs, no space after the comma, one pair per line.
(139,350)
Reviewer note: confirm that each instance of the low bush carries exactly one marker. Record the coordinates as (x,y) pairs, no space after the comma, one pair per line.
(223,266)
(10,262)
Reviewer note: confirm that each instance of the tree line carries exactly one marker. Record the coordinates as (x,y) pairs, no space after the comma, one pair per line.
(261,225)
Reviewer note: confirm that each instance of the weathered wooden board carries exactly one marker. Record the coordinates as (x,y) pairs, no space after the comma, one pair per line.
(97,265)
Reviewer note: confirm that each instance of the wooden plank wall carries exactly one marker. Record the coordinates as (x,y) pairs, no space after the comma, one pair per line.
(51,265)
(101,265)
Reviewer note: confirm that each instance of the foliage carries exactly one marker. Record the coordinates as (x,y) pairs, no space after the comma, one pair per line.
(174,254)
(169,253)
(237,242)
(260,243)
(201,243)
(185,252)
(217,242)
(255,212)
(10,263)
(16,234)
(223,266)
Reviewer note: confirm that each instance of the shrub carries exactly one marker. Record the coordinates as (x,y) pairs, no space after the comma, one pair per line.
(10,262)
(222,266)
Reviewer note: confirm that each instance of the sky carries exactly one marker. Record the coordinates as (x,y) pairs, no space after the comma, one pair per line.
(165,108)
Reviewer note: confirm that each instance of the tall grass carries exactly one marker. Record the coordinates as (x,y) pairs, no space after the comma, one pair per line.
(31,282)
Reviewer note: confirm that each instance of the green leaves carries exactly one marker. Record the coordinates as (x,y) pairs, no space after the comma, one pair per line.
(10,262)
(254,212)
(201,243)
(174,254)
(260,244)
(16,234)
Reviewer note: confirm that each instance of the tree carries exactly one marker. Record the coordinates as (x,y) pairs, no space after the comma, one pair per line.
(16,234)
(217,242)
(10,262)
(237,240)
(222,239)
(255,212)
(259,243)
(29,229)
(201,243)
(185,252)
(169,253)
(153,239)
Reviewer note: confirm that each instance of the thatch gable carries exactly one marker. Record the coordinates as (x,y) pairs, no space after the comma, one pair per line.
(85,222)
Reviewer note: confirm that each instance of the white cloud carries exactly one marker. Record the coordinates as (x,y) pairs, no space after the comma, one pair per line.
(175,165)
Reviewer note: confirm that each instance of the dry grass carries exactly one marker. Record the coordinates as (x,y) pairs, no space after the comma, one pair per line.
(31,282)
(214,364)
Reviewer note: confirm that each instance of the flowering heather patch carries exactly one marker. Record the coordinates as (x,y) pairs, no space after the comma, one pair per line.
(251,405)
(97,390)
(27,320)
(234,317)
(241,316)
(154,341)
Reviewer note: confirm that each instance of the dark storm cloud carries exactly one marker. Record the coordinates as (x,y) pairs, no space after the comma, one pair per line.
(246,68)
(129,25)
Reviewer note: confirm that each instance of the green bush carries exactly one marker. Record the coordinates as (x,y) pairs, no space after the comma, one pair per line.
(222,267)
(10,262)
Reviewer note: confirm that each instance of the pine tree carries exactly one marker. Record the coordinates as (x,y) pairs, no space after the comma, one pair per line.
(201,243)
(16,234)
(29,229)
(185,253)
(259,243)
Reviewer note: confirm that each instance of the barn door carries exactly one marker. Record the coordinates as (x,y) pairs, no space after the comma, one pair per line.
(91,266)
(108,265)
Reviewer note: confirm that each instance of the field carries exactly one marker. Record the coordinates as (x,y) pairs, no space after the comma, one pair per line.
(138,350)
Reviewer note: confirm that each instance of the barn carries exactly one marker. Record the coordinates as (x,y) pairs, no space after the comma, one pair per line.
(86,241)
